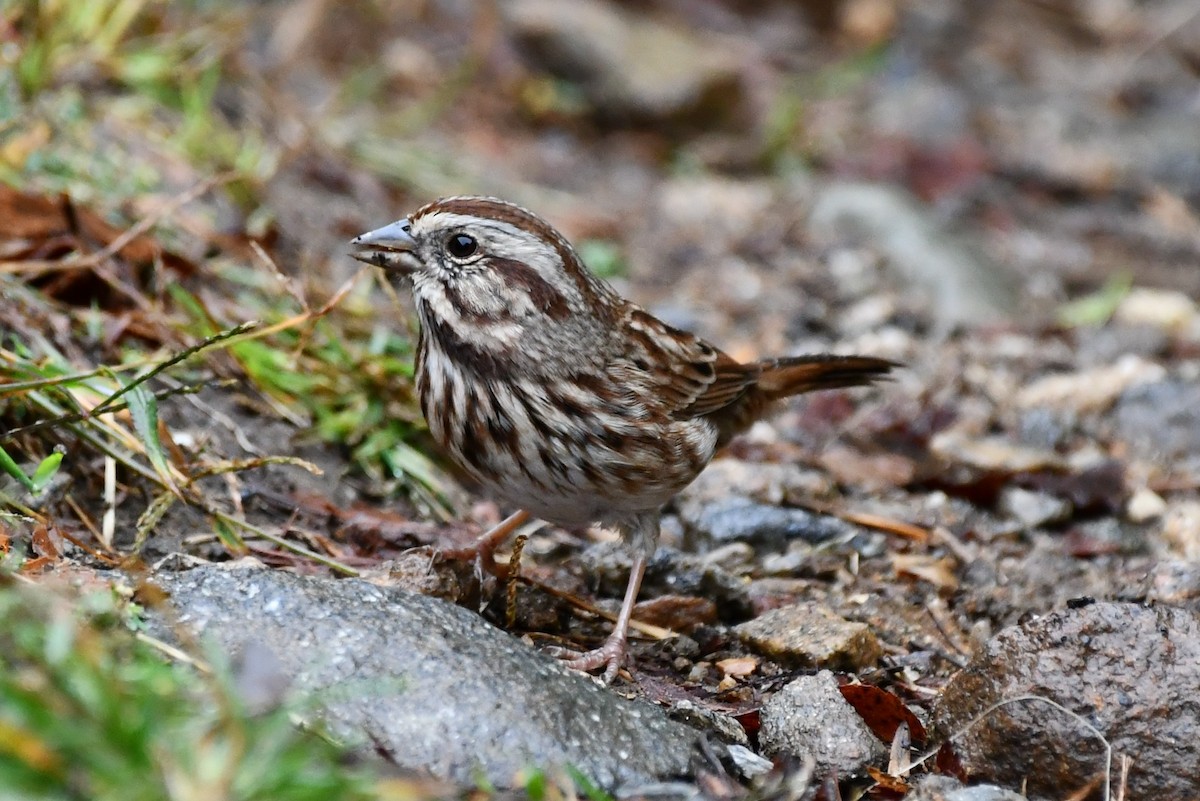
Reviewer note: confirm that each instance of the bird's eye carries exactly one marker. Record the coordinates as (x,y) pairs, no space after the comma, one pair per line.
(461,246)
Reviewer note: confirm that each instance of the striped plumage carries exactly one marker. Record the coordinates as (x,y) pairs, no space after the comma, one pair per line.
(559,396)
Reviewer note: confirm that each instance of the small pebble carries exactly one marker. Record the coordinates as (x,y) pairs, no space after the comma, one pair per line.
(1181,529)
(1092,390)
(809,635)
(1034,509)
(1162,308)
(809,717)
(1144,505)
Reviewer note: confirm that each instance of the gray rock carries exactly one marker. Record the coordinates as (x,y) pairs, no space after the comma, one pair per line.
(686,574)
(1161,420)
(1104,345)
(1175,582)
(1129,671)
(1044,428)
(809,717)
(1033,509)
(431,684)
(627,65)
(967,288)
(670,572)
(771,483)
(936,787)
(810,635)
(708,719)
(742,520)
(749,763)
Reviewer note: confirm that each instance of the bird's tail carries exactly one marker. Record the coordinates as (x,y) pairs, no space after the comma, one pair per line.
(793,375)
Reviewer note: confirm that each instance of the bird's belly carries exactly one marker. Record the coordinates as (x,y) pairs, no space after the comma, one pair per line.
(568,483)
(560,468)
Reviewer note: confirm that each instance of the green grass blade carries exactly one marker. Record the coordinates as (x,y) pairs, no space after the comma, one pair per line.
(8,465)
(46,470)
(143,407)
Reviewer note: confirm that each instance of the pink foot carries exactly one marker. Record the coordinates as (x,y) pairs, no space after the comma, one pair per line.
(483,552)
(484,557)
(610,655)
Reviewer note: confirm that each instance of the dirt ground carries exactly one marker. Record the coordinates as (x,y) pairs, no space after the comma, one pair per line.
(1004,197)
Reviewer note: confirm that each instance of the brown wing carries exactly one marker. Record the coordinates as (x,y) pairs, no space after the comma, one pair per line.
(688,376)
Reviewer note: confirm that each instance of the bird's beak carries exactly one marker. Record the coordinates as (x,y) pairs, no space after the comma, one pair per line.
(390,247)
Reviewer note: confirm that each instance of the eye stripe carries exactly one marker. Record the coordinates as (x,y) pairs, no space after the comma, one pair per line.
(543,294)
(597,294)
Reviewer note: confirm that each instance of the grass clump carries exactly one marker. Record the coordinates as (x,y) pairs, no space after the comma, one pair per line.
(144,64)
(89,710)
(342,374)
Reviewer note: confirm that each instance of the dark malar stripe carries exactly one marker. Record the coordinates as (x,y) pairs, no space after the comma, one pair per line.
(422,378)
(485,364)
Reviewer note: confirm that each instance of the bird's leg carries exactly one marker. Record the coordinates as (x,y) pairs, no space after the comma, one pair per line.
(612,653)
(641,535)
(483,551)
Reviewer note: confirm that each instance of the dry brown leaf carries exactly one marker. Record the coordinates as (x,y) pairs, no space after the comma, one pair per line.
(887,782)
(738,666)
(677,612)
(938,571)
(882,711)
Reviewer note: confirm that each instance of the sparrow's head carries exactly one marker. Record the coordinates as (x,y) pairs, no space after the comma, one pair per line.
(484,257)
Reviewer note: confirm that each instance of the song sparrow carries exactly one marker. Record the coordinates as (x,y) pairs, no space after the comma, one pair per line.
(560,397)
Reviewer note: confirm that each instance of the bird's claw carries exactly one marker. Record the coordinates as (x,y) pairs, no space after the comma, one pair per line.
(611,656)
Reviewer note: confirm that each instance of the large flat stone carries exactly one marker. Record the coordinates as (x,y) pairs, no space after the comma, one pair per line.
(429,683)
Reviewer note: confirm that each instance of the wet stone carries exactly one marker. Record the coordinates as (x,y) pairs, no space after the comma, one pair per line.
(429,684)
(742,520)
(1128,670)
(809,635)
(809,717)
